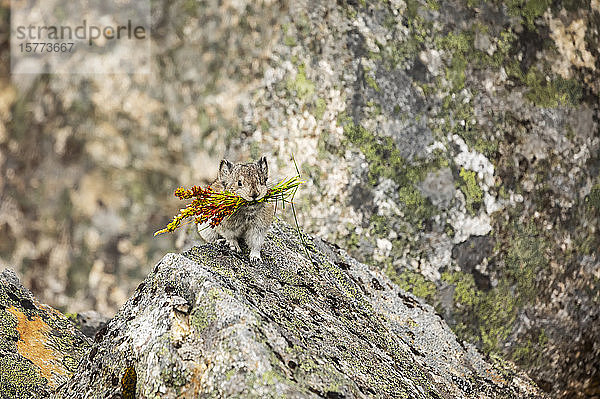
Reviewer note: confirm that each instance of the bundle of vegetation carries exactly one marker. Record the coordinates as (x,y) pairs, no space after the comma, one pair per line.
(212,207)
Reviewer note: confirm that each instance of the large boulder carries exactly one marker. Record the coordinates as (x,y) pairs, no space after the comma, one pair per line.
(308,321)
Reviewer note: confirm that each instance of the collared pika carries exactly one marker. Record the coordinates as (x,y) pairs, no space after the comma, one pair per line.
(250,222)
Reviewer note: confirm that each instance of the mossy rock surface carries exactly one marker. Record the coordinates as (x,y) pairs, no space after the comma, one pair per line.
(39,347)
(308,321)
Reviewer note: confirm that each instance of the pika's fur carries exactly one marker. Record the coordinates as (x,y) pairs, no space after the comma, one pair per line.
(250,222)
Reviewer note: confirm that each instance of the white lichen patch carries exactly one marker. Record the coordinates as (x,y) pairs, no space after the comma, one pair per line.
(466,225)
(491,204)
(383,250)
(433,60)
(475,161)
(439,258)
(385,198)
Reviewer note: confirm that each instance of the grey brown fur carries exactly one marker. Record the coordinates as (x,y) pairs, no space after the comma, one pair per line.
(250,222)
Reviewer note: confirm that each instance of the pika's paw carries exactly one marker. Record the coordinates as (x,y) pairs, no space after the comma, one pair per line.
(255,257)
(234,246)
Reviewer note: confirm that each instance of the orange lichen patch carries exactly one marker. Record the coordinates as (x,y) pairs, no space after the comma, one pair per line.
(495,377)
(128,383)
(33,335)
(198,374)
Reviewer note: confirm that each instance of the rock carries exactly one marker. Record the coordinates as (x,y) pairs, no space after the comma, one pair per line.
(308,321)
(39,347)
(424,124)
(90,322)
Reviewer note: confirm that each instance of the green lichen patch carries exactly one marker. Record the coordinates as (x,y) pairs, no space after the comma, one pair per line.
(531,352)
(551,92)
(369,77)
(472,191)
(301,85)
(298,295)
(487,317)
(289,41)
(401,53)
(8,332)
(71,316)
(385,161)
(320,106)
(20,378)
(527,10)
(526,257)
(497,311)
(71,363)
(593,198)
(204,313)
(587,240)
(413,282)
(174,376)
(460,45)
(270,377)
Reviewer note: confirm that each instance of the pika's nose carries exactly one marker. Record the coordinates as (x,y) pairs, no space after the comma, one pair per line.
(254,196)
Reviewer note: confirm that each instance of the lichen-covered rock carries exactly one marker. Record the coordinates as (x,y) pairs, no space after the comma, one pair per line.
(453,144)
(308,321)
(89,322)
(39,347)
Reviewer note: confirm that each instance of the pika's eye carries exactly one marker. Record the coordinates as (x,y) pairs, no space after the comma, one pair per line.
(239,183)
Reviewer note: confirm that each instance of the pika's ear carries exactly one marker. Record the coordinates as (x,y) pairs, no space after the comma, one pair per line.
(264,168)
(224,169)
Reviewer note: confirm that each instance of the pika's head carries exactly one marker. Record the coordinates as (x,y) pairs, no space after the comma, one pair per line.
(249,180)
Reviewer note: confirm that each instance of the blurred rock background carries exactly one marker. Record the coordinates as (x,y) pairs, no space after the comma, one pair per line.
(452,144)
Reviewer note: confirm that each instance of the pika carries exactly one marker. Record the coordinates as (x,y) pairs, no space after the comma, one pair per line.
(250,222)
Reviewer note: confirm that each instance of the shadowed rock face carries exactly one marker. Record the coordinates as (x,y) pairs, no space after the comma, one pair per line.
(39,347)
(306,322)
